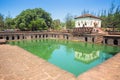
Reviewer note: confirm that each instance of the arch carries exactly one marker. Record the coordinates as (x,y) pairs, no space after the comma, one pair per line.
(7,38)
(67,37)
(43,35)
(31,36)
(18,37)
(106,41)
(35,36)
(23,36)
(13,37)
(1,37)
(93,40)
(39,36)
(115,42)
(46,35)
(86,39)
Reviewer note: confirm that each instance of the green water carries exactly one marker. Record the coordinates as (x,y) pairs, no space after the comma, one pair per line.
(74,57)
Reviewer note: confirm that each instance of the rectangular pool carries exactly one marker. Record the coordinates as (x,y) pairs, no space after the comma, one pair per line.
(74,57)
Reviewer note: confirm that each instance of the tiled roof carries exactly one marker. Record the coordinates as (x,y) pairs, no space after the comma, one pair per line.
(87,15)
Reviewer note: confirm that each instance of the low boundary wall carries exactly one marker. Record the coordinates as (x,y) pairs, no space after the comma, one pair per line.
(33,35)
(92,38)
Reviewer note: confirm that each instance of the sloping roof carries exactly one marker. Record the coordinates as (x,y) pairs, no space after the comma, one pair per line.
(87,15)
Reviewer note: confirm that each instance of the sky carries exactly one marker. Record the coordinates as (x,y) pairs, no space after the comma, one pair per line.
(57,8)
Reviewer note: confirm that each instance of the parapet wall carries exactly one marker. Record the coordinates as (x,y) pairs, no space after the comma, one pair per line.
(111,39)
(92,38)
(33,35)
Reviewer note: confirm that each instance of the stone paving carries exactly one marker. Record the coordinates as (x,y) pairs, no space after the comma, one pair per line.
(18,64)
(109,70)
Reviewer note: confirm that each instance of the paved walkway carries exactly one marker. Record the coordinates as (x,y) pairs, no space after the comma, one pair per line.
(18,64)
(109,70)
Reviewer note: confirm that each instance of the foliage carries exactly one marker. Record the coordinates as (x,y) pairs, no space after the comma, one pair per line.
(56,24)
(9,23)
(112,17)
(33,19)
(69,21)
(1,21)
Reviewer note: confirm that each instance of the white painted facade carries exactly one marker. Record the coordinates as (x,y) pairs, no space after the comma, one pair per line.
(88,22)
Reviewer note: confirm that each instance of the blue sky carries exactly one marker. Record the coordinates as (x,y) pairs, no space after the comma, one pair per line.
(57,8)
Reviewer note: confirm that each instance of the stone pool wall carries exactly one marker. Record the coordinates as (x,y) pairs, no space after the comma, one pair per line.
(111,39)
(92,38)
(33,35)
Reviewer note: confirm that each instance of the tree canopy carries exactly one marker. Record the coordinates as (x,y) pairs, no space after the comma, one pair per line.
(1,21)
(9,23)
(33,19)
(111,18)
(56,24)
(69,21)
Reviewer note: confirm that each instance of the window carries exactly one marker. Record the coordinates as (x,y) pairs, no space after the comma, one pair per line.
(78,24)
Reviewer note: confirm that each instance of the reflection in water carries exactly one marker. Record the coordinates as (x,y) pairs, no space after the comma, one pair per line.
(86,58)
(75,57)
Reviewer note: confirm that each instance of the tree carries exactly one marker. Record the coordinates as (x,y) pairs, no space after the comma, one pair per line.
(33,19)
(69,21)
(9,23)
(85,12)
(22,26)
(117,18)
(111,18)
(56,24)
(103,16)
(39,24)
(1,22)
